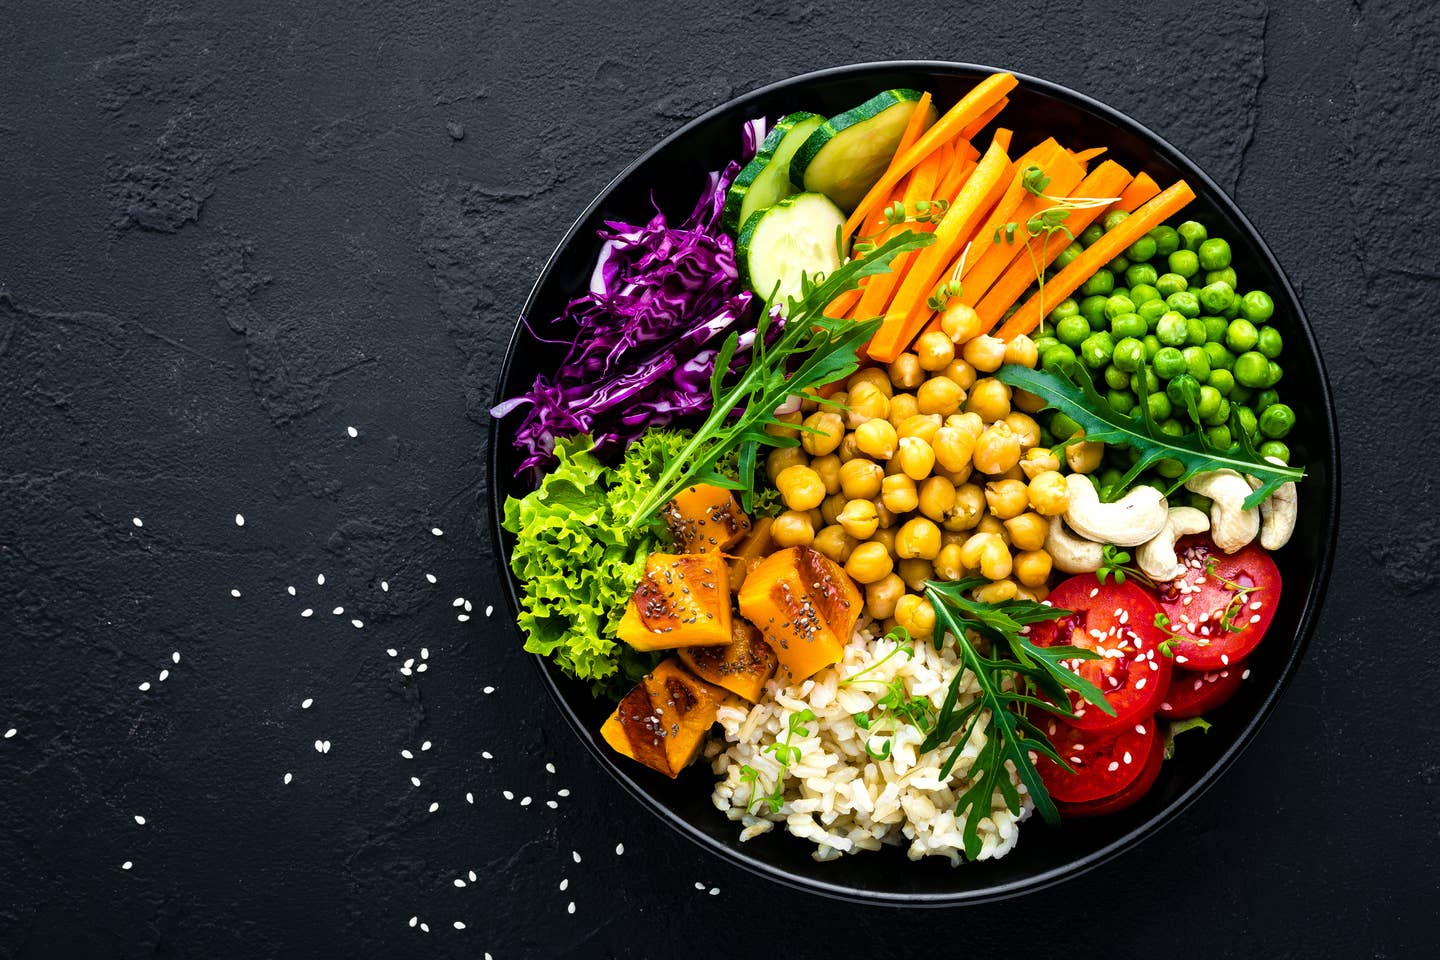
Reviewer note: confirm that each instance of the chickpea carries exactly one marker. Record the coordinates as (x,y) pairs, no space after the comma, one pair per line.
(859,519)
(1038,460)
(792,529)
(953,448)
(919,537)
(960,322)
(800,487)
(1022,350)
(947,561)
(775,430)
(1032,567)
(995,592)
(876,438)
(962,373)
(848,449)
(898,493)
(939,395)
(1027,531)
(993,524)
(835,543)
(882,595)
(830,509)
(905,371)
(860,479)
(984,353)
(828,428)
(997,449)
(869,562)
(1014,473)
(1049,493)
(903,406)
(916,458)
(817,518)
(989,398)
(916,615)
(956,477)
(1084,457)
(922,425)
(934,350)
(866,403)
(828,469)
(1027,401)
(870,375)
(885,536)
(1006,498)
(892,466)
(988,553)
(937,498)
(915,572)
(969,508)
(1025,428)
(781,459)
(885,515)
(970,423)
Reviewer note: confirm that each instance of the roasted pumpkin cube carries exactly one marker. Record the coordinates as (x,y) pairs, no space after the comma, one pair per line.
(663,720)
(805,605)
(756,546)
(741,666)
(683,600)
(705,517)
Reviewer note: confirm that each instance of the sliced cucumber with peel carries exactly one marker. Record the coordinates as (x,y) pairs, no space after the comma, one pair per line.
(766,178)
(795,237)
(847,153)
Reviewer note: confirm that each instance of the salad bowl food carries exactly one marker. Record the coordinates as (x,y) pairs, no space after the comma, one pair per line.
(824,660)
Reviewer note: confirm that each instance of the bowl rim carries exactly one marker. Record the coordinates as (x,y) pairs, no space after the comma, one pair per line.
(1074,868)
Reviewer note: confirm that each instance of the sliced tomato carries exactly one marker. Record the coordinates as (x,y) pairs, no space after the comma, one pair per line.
(1103,763)
(1222,605)
(1116,620)
(1128,794)
(1193,694)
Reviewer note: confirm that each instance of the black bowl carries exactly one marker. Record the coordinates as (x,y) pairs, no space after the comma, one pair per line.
(673,171)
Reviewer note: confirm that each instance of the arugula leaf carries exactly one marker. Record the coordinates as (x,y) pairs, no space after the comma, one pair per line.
(1074,394)
(1177,727)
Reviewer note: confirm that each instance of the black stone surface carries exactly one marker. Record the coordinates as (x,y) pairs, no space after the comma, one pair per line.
(228,234)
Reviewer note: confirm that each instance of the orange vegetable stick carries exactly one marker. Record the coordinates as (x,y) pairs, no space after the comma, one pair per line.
(843,304)
(955,179)
(1039,155)
(908,311)
(1106,180)
(969,132)
(1085,156)
(880,287)
(1141,189)
(1003,136)
(914,127)
(1102,251)
(981,97)
(965,150)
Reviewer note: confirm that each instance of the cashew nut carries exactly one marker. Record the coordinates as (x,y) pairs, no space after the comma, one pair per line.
(1157,557)
(1128,522)
(1277,511)
(1070,553)
(1231,525)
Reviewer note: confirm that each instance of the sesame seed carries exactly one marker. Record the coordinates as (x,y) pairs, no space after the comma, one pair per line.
(424,927)
(507,794)
(137,521)
(307,612)
(288,778)
(424,653)
(407,754)
(139,819)
(576,855)
(357,624)
(392,652)
(320,579)
(319,746)
(524,801)
(1255,619)
(126,865)
(459,883)
(239,520)
(352,431)
(562,793)
(406,671)
(549,768)
(414,781)
(571,907)
(564,884)
(1140,684)
(463,618)
(10,733)
(145,686)
(459,925)
(714,891)
(1166,706)
(1225,659)
(489,690)
(619,849)
(1246,674)
(489,610)
(699,885)
(1140,729)
(458,602)
(327,746)
(487,755)
(307,703)
(1075,760)
(425,745)
(1113,766)
(468,607)
(437,531)
(235,593)
(422,668)
(337,611)
(175,657)
(434,807)
(164,675)
(472,876)
(430,577)
(470,798)
(414,920)
(552,804)
(290,590)
(410,662)
(385,586)
(1127,756)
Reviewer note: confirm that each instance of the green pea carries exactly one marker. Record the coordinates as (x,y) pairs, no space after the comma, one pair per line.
(1128,355)
(1247,419)
(1113,475)
(1121,401)
(1091,234)
(1065,308)
(1194,331)
(1241,335)
(1119,265)
(1214,254)
(1184,302)
(1220,358)
(1270,342)
(1142,249)
(1226,276)
(1114,218)
(1062,426)
(1232,311)
(1150,383)
(1067,255)
(1168,283)
(1093,309)
(1096,349)
(1274,375)
(1257,306)
(1221,414)
(1252,370)
(1044,343)
(1219,438)
(1276,449)
(1216,295)
(1101,283)
(1265,398)
(1143,293)
(1140,274)
(1159,406)
(1117,304)
(1184,262)
(1047,439)
(1152,345)
(1152,310)
(1222,380)
(1116,378)
(1241,394)
(1192,234)
(1169,469)
(1167,240)
(1072,330)
(1208,402)
(1169,362)
(1182,389)
(1197,363)
(1170,329)
(1172,427)
(1128,325)
(1058,358)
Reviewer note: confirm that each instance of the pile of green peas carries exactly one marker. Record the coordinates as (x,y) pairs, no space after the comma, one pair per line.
(1170,300)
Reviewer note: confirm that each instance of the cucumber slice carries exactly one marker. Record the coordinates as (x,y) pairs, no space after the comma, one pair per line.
(766,178)
(848,153)
(793,237)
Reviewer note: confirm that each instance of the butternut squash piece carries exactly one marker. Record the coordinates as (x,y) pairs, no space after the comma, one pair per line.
(805,605)
(741,666)
(755,547)
(683,600)
(705,517)
(663,720)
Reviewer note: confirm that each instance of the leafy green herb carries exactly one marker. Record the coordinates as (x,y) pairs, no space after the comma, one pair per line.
(952,287)
(1008,686)
(1237,602)
(1073,393)
(903,644)
(1178,727)
(1115,562)
(811,351)
(785,755)
(1167,646)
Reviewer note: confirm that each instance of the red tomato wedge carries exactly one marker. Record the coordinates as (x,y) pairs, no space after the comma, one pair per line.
(1221,616)
(1104,763)
(1128,794)
(1194,694)
(1116,620)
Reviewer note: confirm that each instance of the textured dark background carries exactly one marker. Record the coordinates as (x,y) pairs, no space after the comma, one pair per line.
(227,236)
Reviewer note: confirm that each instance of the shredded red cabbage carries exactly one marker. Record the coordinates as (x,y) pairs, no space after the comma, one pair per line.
(661,300)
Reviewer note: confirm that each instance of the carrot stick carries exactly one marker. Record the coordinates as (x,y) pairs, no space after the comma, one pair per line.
(880,287)
(1099,253)
(843,304)
(969,132)
(1085,156)
(981,97)
(907,312)
(1106,180)
(915,126)
(1003,136)
(1141,189)
(965,150)
(955,179)
(1039,155)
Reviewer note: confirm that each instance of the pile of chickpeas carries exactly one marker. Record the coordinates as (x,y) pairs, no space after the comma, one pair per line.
(930,469)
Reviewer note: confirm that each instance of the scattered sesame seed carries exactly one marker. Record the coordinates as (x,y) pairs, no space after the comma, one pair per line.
(391,651)
(487,754)
(307,612)
(137,521)
(235,593)
(422,668)
(239,520)
(357,624)
(699,885)
(468,608)
(10,733)
(434,807)
(489,690)
(126,865)
(290,590)
(549,768)
(1127,758)
(320,579)
(565,792)
(164,674)
(414,920)
(327,746)
(470,798)
(459,883)
(307,703)
(406,671)
(437,531)
(619,849)
(424,653)
(571,907)
(507,794)
(425,745)
(145,686)
(175,657)
(407,754)
(458,602)
(424,927)
(524,801)
(552,804)
(288,778)
(139,819)
(576,855)
(472,876)
(319,746)
(1140,729)
(430,577)
(1243,676)
(410,662)
(385,586)
(564,884)
(414,781)
(459,925)
(489,610)
(1113,766)
(714,891)
(352,431)
(338,610)
(463,618)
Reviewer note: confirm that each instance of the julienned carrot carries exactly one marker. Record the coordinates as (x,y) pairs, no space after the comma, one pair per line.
(981,97)
(842,305)
(1106,180)
(907,312)
(1085,156)
(979,124)
(959,172)
(916,125)
(1141,189)
(880,286)
(1102,251)
(1039,155)
(965,150)
(1003,136)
